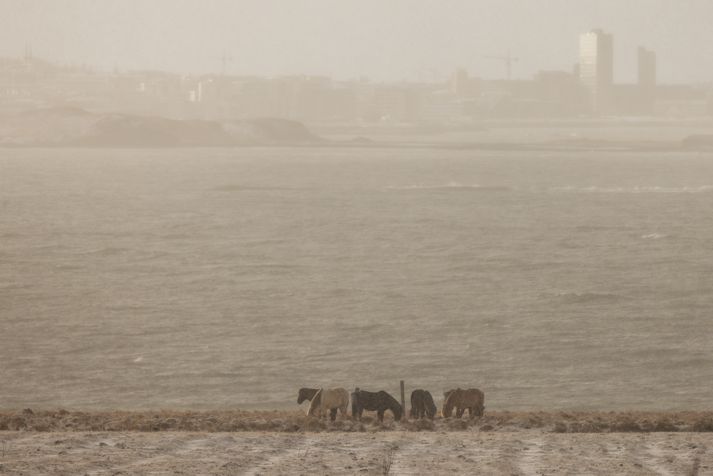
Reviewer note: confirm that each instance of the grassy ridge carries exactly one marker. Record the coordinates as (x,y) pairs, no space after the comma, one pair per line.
(295,421)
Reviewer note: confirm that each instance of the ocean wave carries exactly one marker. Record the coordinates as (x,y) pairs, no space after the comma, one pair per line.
(108,251)
(584,298)
(636,189)
(653,236)
(248,188)
(451,186)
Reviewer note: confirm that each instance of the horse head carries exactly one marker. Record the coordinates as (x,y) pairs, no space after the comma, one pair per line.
(397,410)
(431,410)
(304,394)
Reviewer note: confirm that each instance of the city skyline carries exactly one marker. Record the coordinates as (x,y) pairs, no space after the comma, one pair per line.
(359,39)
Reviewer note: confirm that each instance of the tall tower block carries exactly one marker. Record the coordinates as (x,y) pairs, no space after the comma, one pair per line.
(596,68)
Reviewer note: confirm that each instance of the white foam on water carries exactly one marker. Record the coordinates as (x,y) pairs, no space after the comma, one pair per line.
(653,236)
(633,190)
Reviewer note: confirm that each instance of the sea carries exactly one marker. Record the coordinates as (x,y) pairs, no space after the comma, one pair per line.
(229,278)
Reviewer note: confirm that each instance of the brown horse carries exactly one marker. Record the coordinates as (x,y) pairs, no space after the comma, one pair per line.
(471,399)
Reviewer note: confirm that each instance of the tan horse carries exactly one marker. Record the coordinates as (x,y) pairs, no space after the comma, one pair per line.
(471,399)
(329,400)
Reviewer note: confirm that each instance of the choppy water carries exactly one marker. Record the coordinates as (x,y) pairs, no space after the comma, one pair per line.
(229,278)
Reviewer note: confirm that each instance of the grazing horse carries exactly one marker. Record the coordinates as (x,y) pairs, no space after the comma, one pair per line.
(422,404)
(331,399)
(472,400)
(306,394)
(375,401)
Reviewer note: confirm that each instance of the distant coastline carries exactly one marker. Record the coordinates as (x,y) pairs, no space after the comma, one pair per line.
(69,127)
(74,127)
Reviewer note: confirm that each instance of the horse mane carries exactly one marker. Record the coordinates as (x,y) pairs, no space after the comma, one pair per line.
(315,403)
(430,405)
(306,394)
(392,403)
(450,401)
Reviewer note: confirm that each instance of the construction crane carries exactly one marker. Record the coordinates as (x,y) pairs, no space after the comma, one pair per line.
(224,60)
(508,60)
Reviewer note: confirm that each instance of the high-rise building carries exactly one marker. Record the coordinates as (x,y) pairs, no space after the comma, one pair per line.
(647,68)
(596,68)
(647,79)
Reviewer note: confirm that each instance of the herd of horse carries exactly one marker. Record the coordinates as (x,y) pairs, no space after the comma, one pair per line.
(329,401)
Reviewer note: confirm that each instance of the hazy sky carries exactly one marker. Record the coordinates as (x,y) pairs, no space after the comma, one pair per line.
(381,39)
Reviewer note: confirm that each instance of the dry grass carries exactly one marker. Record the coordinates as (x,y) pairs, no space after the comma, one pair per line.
(296,421)
(387,461)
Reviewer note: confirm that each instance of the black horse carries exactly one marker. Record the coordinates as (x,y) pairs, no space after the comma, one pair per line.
(422,404)
(375,401)
(306,394)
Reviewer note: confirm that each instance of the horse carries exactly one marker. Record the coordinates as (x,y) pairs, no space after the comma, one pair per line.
(306,394)
(331,399)
(375,401)
(471,399)
(422,404)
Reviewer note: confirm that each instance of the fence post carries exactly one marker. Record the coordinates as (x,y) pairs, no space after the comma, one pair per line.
(403,401)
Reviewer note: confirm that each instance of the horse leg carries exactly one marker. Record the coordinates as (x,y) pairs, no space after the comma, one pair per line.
(332,414)
(380,415)
(459,412)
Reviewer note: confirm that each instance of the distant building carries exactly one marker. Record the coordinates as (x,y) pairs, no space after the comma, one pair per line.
(462,85)
(647,79)
(596,68)
(395,103)
(560,93)
(682,100)
(647,68)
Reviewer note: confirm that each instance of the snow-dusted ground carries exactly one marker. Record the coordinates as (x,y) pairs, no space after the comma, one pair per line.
(526,452)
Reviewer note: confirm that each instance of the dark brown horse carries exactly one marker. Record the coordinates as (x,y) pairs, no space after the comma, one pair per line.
(375,401)
(422,404)
(306,394)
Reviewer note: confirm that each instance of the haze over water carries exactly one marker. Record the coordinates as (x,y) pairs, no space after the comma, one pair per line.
(209,278)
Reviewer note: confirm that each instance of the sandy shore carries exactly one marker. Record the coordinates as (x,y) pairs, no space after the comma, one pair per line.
(523,452)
